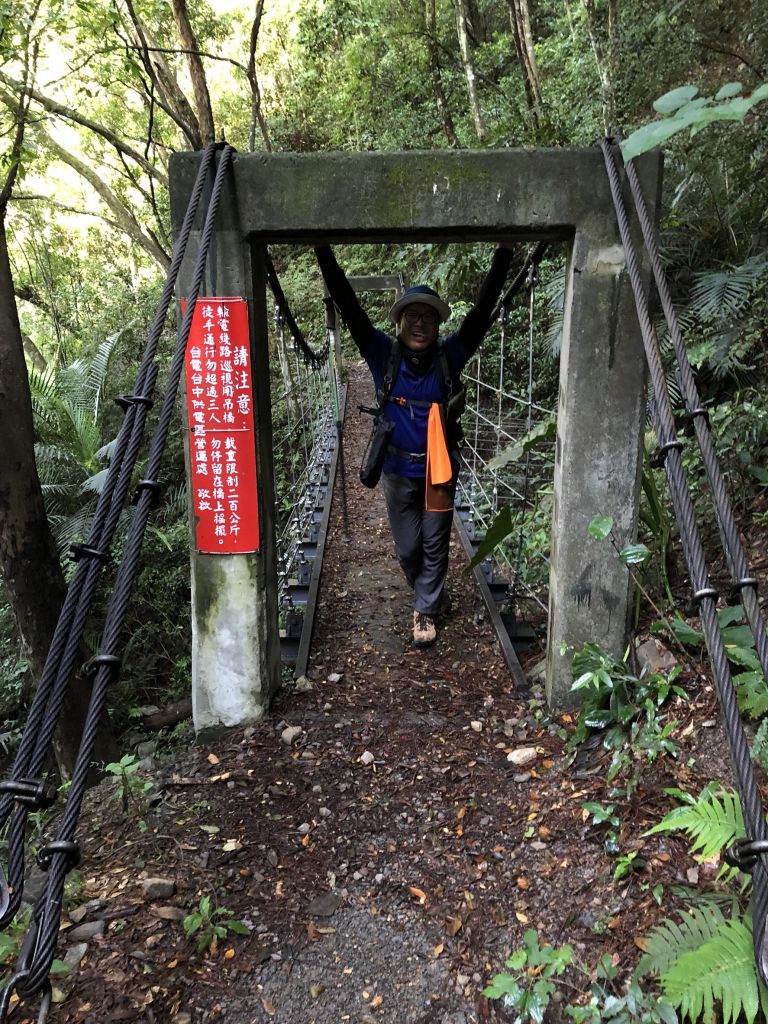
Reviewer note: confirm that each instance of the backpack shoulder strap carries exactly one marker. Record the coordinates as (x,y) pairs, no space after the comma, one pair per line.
(446,380)
(391,368)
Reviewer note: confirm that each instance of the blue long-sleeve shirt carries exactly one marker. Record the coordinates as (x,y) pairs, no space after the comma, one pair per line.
(408,407)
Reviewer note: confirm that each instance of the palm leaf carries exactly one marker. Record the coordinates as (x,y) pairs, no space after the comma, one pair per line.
(726,292)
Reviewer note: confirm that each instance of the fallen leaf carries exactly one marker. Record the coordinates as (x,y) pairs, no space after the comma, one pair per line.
(229,953)
(641,943)
(419,894)
(376,1002)
(212,830)
(232,844)
(454,925)
(521,917)
(313,932)
(268,1005)
(212,759)
(438,949)
(523,883)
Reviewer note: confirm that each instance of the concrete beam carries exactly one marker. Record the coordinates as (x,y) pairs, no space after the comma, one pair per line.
(373,197)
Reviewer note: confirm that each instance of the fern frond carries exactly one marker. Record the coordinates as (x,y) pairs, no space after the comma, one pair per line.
(713,822)
(671,939)
(721,970)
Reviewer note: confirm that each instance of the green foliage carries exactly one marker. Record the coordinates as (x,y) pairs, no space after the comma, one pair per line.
(129,787)
(704,959)
(739,643)
(605,1006)
(544,431)
(683,108)
(713,821)
(528,987)
(759,748)
(210,924)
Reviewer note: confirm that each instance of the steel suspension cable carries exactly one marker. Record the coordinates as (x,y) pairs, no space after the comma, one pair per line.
(59,856)
(25,788)
(753,853)
(315,358)
(743,581)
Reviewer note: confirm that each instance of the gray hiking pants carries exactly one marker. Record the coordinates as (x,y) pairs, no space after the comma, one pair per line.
(421,539)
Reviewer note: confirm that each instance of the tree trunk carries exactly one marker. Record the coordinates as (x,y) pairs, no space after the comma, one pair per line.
(434,73)
(169,94)
(257,114)
(462,17)
(520,21)
(196,71)
(28,559)
(603,66)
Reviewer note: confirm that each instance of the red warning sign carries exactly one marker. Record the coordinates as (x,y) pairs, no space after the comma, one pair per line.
(222,441)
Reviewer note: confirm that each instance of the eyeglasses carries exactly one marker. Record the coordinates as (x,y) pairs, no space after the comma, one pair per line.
(429,319)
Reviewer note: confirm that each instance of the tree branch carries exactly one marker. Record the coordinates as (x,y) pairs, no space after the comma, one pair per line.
(257,114)
(99,129)
(196,72)
(170,97)
(125,219)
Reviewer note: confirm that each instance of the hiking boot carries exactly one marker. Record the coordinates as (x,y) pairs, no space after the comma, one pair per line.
(424,632)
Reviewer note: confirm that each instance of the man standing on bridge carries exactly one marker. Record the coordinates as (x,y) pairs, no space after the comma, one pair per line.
(420,398)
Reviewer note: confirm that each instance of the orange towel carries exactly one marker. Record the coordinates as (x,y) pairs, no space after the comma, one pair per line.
(438,496)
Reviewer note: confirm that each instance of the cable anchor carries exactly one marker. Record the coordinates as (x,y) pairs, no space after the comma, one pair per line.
(70,850)
(148,485)
(744,853)
(33,793)
(80,551)
(659,457)
(92,666)
(127,401)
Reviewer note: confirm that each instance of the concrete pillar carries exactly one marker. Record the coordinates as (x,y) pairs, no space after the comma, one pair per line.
(235,638)
(600,416)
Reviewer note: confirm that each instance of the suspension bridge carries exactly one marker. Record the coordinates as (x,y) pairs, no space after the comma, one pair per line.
(241,593)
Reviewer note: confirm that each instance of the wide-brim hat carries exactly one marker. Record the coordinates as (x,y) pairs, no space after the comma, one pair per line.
(423,294)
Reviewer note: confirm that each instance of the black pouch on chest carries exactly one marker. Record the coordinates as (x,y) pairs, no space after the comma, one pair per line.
(381,434)
(376,451)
